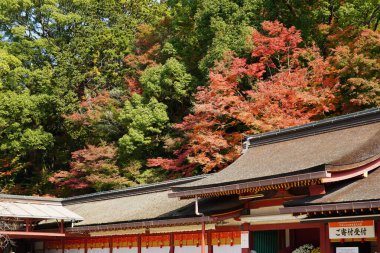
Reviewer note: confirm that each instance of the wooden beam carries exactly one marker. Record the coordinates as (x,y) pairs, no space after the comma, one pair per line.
(282,226)
(317,189)
(31,234)
(347,174)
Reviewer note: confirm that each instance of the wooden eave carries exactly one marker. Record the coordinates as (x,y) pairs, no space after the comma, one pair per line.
(255,186)
(144,224)
(330,208)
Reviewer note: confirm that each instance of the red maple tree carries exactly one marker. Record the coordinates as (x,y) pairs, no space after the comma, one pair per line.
(278,86)
(92,167)
(355,56)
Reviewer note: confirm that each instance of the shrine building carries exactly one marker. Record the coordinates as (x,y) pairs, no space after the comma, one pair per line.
(316,184)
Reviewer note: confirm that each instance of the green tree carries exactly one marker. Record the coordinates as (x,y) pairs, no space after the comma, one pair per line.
(25,144)
(143,123)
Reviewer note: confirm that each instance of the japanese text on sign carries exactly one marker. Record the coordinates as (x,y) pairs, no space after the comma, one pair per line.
(354,229)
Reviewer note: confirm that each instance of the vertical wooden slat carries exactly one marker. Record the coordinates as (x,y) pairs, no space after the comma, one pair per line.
(139,244)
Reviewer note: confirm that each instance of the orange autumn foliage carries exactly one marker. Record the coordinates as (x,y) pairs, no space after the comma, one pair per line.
(280,85)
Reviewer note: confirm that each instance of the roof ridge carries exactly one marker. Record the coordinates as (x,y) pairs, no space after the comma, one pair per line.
(317,127)
(129,191)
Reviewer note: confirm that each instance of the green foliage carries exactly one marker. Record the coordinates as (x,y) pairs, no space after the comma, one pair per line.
(24,143)
(143,122)
(8,67)
(207,29)
(166,82)
(20,127)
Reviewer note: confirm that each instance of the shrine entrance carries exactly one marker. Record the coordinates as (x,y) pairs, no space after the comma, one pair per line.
(285,240)
(266,241)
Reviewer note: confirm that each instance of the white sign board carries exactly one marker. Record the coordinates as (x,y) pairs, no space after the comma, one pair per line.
(244,240)
(347,250)
(352,229)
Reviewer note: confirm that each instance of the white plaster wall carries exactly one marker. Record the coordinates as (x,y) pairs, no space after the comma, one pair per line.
(227,249)
(189,249)
(97,250)
(155,250)
(125,250)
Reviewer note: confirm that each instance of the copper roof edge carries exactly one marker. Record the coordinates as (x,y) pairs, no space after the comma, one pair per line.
(30,199)
(144,224)
(130,191)
(251,184)
(365,117)
(343,167)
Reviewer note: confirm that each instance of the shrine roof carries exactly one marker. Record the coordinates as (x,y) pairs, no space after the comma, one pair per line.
(143,206)
(352,194)
(307,151)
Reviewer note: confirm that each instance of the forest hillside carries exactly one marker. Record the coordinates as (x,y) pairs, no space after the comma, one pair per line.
(104,94)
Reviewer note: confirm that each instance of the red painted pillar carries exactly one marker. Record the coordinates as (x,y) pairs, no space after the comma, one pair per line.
(171,242)
(378,235)
(85,246)
(324,238)
(62,227)
(322,235)
(329,248)
(203,239)
(209,242)
(110,241)
(27,225)
(251,240)
(139,244)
